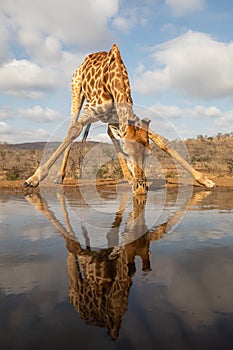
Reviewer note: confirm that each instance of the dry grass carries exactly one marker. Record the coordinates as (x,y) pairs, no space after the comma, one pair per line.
(209,155)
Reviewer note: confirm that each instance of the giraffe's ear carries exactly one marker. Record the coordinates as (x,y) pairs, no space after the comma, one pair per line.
(116,132)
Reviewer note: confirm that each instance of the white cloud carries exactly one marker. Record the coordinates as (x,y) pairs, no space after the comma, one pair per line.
(129,18)
(100,138)
(185,7)
(11,134)
(4,128)
(192,64)
(40,115)
(225,121)
(122,24)
(53,37)
(203,112)
(45,50)
(193,120)
(195,112)
(26,79)
(168,112)
(68,21)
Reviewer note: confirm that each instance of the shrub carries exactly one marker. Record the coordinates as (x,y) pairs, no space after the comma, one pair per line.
(13,174)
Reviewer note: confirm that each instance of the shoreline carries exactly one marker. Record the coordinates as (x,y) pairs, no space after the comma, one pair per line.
(16,186)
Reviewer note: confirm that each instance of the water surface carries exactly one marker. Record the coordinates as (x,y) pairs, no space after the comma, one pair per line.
(64,282)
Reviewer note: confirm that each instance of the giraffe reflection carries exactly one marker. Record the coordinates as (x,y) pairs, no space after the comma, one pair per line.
(100,280)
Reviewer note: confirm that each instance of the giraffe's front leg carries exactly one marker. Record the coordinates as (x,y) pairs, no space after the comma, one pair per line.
(74,131)
(126,173)
(38,176)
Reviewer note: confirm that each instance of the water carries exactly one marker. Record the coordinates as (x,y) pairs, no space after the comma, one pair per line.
(64,282)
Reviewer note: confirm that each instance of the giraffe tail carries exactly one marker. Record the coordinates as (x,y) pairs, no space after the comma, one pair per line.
(86,132)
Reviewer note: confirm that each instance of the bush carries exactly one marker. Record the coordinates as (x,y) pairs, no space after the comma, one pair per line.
(171,175)
(13,174)
(12,177)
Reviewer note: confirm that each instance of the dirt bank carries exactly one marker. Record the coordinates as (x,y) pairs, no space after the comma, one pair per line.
(17,185)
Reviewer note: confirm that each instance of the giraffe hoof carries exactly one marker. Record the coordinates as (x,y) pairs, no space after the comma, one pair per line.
(30,184)
(210,183)
(26,184)
(58,181)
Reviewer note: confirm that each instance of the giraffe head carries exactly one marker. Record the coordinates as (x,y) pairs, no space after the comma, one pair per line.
(135,146)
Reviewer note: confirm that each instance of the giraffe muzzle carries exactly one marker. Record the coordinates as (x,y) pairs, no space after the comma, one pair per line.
(140,187)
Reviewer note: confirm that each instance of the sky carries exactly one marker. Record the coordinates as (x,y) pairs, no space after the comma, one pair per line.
(178,54)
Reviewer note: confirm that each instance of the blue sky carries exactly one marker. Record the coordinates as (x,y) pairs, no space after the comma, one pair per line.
(178,54)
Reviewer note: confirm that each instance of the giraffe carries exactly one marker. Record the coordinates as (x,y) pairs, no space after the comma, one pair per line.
(102,81)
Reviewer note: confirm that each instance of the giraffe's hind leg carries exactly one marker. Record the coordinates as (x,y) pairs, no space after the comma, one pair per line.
(62,172)
(126,173)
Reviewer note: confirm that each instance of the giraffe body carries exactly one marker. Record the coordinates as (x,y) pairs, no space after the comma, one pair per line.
(102,80)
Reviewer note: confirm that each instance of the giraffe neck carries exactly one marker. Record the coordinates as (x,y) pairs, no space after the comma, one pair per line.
(125,114)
